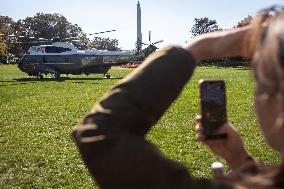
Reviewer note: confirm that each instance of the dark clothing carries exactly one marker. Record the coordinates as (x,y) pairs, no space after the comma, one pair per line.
(111,138)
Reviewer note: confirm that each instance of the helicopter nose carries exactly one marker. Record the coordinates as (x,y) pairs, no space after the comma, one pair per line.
(21,65)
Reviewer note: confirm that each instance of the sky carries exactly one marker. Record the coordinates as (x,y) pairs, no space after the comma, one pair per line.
(168,20)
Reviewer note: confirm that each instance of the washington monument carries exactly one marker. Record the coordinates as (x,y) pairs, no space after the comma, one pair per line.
(139,33)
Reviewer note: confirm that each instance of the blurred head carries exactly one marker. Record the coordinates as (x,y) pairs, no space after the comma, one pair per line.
(267,42)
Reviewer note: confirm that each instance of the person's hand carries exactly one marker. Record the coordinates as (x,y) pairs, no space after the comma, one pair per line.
(219,44)
(230,148)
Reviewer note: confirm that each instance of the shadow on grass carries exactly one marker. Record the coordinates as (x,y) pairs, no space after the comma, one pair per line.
(61,79)
(222,67)
(13,83)
(240,65)
(23,81)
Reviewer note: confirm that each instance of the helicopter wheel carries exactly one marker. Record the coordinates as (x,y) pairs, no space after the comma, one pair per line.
(107,75)
(56,76)
(39,77)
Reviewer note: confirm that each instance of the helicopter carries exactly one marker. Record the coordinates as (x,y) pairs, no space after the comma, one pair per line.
(64,58)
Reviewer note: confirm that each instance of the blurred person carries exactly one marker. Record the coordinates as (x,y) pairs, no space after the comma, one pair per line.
(266,42)
(111,138)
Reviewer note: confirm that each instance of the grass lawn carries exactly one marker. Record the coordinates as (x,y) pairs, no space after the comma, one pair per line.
(36,118)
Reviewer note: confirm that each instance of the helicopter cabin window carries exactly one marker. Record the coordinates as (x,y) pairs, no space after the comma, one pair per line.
(40,49)
(33,49)
(52,49)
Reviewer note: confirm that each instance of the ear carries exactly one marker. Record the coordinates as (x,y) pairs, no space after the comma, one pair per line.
(279,123)
(279,128)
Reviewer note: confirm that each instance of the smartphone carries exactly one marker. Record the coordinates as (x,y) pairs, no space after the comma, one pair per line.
(213,107)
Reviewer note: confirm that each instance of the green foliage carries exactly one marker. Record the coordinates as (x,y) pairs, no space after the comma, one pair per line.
(204,25)
(101,43)
(50,27)
(3,49)
(3,52)
(10,27)
(54,26)
(6,25)
(245,21)
(36,119)
(5,56)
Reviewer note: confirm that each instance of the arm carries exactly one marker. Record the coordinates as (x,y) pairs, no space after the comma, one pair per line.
(111,138)
(220,44)
(215,45)
(140,99)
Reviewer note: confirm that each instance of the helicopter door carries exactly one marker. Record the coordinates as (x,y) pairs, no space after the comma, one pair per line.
(44,59)
(99,59)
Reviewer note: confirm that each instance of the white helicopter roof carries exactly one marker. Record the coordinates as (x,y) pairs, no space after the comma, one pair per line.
(64,45)
(71,49)
(105,52)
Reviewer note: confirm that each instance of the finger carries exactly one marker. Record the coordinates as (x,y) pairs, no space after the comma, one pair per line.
(213,143)
(199,128)
(223,129)
(198,118)
(227,128)
(200,137)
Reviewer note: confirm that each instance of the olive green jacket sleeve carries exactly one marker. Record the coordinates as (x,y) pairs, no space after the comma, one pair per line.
(111,138)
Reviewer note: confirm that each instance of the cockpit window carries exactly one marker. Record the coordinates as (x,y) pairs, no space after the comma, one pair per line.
(32,49)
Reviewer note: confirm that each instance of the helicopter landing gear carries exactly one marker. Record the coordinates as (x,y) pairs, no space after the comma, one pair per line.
(55,76)
(107,75)
(39,77)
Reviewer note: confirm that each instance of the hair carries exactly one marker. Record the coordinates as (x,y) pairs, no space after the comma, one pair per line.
(267,48)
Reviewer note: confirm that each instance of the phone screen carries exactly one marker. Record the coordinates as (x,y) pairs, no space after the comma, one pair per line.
(213,105)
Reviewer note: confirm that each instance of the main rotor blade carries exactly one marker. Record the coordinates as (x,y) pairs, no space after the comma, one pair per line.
(42,39)
(102,32)
(157,42)
(27,42)
(12,35)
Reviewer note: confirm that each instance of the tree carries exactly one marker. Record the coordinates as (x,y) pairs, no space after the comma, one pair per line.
(54,26)
(101,43)
(48,26)
(3,51)
(6,25)
(245,21)
(81,40)
(6,28)
(204,25)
